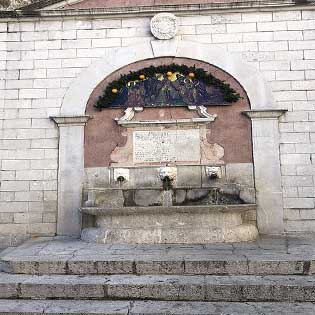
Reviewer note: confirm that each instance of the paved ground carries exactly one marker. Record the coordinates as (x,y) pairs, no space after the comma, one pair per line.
(65,307)
(285,247)
(273,275)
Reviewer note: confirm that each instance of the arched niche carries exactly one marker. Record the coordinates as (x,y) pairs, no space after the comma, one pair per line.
(231,129)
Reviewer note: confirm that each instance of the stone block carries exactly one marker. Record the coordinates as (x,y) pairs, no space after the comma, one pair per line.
(271,26)
(240,173)
(227,38)
(301,25)
(15,164)
(291,214)
(298,203)
(146,287)
(226,18)
(299,45)
(114,23)
(295,159)
(188,176)
(248,195)
(77,25)
(62,53)
(147,197)
(257,37)
(110,198)
(297,181)
(145,177)
(108,42)
(32,93)
(69,34)
(210,29)
(97,177)
(48,25)
(241,28)
(217,265)
(273,46)
(287,15)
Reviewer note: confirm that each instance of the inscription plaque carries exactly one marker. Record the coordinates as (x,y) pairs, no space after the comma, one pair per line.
(166,146)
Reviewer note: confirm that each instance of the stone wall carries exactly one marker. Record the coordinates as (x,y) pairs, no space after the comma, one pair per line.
(40,58)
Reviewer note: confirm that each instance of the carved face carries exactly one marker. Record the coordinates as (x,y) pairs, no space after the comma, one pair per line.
(169,172)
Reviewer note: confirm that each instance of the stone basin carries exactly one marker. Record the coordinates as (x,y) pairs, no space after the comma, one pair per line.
(194,224)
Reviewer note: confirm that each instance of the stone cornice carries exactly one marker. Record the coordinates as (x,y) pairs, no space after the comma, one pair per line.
(70,120)
(180,9)
(264,113)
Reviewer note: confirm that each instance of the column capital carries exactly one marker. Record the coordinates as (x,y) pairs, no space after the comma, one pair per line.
(264,113)
(70,120)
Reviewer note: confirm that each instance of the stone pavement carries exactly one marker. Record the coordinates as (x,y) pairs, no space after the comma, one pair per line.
(274,275)
(57,307)
(268,255)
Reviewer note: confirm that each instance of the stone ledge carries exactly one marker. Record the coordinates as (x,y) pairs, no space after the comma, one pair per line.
(70,120)
(264,113)
(167,210)
(175,122)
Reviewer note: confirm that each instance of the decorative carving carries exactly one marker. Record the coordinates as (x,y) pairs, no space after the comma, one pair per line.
(164,26)
(129,113)
(202,112)
(213,172)
(169,172)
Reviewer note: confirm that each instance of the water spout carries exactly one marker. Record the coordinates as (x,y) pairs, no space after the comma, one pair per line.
(168,176)
(167,183)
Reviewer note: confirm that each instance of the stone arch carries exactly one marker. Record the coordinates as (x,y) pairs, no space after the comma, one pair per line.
(258,90)
(264,115)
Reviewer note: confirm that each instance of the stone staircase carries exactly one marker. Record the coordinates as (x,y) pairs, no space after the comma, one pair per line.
(58,276)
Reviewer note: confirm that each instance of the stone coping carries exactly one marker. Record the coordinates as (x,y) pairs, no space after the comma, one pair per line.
(39,11)
(98,211)
(70,120)
(265,113)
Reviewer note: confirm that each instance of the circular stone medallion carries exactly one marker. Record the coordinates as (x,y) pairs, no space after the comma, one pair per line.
(164,25)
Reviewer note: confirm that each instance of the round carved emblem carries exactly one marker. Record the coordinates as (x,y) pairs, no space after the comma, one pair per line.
(164,25)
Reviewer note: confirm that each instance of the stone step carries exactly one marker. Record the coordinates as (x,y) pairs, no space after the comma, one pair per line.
(66,256)
(91,307)
(180,263)
(160,287)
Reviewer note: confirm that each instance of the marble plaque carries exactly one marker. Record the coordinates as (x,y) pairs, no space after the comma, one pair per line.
(166,146)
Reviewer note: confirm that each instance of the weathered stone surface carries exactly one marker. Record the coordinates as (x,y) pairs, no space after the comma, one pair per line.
(110,198)
(148,197)
(292,256)
(176,235)
(162,287)
(68,307)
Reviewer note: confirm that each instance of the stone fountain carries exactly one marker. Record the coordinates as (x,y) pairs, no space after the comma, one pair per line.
(170,160)
(170,214)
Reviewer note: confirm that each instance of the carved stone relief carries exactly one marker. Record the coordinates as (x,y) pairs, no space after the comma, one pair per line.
(164,26)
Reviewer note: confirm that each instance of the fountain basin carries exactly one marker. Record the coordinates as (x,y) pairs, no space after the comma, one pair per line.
(195,224)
